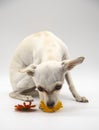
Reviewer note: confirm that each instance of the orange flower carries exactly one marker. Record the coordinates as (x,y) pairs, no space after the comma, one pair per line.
(24,107)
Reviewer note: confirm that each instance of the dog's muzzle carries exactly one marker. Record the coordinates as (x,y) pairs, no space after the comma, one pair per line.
(50,104)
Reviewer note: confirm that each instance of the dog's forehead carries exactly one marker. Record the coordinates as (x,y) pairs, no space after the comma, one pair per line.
(49,65)
(48,74)
(49,69)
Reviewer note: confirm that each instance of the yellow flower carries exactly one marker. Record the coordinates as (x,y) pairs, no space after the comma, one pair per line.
(44,108)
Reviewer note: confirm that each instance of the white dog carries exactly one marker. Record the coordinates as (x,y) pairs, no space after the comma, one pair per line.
(41,62)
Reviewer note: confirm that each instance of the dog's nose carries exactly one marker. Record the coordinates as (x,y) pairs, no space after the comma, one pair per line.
(50,104)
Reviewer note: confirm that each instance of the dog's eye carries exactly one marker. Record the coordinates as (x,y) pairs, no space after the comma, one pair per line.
(58,87)
(40,89)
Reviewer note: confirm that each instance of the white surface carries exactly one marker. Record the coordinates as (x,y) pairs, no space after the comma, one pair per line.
(76,22)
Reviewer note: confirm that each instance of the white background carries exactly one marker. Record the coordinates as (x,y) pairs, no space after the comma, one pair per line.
(76,22)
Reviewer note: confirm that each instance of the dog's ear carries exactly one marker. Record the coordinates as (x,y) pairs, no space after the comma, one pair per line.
(69,64)
(29,70)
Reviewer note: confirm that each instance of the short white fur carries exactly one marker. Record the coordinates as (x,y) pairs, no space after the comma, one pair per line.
(42,59)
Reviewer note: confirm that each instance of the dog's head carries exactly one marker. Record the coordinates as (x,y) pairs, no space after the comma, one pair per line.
(49,78)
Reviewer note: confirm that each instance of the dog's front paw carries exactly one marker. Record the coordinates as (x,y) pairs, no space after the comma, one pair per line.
(81,99)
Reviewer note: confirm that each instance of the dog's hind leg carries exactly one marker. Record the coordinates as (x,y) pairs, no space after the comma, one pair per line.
(18,95)
(25,95)
(23,87)
(73,90)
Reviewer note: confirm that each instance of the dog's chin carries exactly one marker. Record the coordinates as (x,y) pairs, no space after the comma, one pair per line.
(50,107)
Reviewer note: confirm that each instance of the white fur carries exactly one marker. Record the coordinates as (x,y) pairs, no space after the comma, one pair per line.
(45,56)
(37,48)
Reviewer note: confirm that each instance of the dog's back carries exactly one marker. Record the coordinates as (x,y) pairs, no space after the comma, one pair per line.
(38,48)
